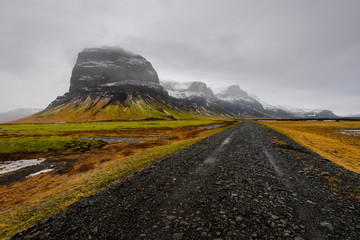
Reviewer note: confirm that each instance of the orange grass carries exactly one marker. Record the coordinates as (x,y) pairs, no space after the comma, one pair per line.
(326,139)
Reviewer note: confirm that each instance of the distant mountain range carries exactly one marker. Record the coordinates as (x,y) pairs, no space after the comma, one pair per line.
(239,102)
(17,113)
(110,83)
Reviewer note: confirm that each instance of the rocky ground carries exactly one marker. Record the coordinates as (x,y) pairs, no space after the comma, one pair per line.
(246,182)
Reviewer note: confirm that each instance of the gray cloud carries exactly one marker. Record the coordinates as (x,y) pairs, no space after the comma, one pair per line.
(301,53)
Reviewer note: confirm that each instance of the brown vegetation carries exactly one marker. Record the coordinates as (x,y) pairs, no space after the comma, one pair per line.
(330,139)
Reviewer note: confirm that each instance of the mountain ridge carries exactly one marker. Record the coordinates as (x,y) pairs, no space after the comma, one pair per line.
(111,83)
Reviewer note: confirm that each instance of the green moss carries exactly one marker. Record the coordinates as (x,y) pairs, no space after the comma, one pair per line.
(45,144)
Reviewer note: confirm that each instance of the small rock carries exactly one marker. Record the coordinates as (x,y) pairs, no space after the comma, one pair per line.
(298,238)
(198,229)
(95,229)
(250,181)
(170,217)
(184,223)
(41,237)
(325,174)
(328,225)
(238,219)
(308,201)
(223,216)
(143,235)
(274,216)
(283,222)
(178,236)
(203,234)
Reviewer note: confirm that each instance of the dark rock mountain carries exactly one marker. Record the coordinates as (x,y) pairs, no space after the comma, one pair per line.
(110,83)
(110,66)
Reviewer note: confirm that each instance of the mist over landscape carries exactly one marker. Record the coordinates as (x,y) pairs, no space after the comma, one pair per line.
(164,119)
(299,53)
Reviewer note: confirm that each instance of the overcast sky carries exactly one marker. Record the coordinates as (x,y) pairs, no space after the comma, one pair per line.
(300,53)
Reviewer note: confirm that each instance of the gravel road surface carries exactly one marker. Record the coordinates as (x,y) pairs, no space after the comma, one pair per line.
(246,182)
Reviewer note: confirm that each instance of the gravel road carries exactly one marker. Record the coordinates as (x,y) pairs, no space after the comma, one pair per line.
(237,184)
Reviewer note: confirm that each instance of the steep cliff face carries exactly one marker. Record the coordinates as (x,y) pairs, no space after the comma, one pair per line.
(110,66)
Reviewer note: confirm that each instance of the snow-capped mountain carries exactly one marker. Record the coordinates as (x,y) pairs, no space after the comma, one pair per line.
(187,90)
(239,102)
(296,111)
(234,93)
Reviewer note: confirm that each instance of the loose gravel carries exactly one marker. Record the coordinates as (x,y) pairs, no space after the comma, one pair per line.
(238,184)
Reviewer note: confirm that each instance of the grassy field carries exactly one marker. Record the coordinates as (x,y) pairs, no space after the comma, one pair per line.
(24,202)
(335,141)
(46,137)
(66,128)
(46,144)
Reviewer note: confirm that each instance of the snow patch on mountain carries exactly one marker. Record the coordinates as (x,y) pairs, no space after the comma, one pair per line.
(187,90)
(234,94)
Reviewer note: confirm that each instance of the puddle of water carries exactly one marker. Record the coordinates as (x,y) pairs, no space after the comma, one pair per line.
(116,139)
(226,141)
(273,163)
(210,127)
(354,132)
(218,150)
(39,172)
(11,166)
(126,139)
(210,160)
